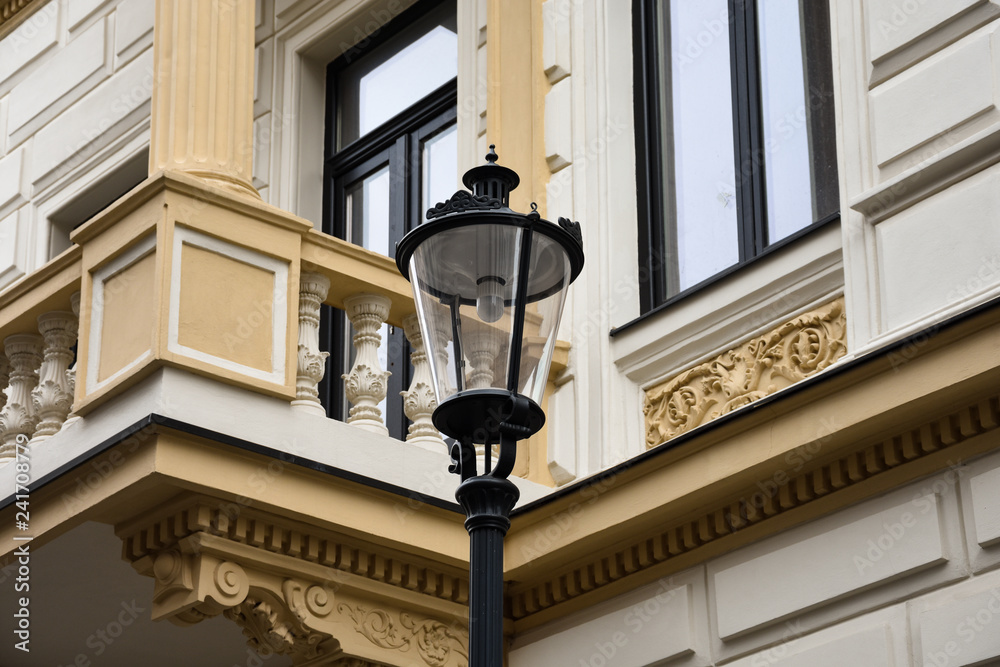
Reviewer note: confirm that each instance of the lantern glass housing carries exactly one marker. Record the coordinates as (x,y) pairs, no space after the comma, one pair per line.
(489,285)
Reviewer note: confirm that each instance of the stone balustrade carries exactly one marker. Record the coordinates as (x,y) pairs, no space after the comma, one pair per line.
(37,380)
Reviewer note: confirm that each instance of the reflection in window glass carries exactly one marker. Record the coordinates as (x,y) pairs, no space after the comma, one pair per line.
(785,118)
(702,232)
(397,74)
(368,211)
(406,77)
(440,168)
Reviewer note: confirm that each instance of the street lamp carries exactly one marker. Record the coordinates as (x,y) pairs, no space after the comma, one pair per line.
(489,285)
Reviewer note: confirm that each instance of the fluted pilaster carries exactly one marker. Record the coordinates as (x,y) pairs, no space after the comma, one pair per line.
(366,385)
(313,288)
(419,402)
(24,351)
(202,113)
(52,398)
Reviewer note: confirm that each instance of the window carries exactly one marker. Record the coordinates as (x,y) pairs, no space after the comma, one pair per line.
(735,135)
(391,153)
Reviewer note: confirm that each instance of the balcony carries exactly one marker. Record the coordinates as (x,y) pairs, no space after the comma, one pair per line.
(182,290)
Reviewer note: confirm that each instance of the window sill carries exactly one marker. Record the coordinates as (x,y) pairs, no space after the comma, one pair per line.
(790,278)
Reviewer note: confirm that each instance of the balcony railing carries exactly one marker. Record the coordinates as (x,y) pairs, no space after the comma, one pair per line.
(143,269)
(39,331)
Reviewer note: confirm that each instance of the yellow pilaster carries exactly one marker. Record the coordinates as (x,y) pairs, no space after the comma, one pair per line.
(513,106)
(515,122)
(202,114)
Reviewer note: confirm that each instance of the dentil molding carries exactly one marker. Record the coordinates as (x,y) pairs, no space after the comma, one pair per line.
(297,592)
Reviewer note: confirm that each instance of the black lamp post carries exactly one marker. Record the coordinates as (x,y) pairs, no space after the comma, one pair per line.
(489,285)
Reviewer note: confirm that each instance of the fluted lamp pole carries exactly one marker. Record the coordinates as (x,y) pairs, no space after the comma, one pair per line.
(489,285)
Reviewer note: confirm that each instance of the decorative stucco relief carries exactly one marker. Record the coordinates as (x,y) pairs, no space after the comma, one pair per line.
(294,595)
(759,367)
(435,642)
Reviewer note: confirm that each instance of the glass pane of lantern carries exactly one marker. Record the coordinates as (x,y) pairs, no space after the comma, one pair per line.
(466,282)
(550,276)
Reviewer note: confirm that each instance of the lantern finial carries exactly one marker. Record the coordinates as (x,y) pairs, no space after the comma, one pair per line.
(492,180)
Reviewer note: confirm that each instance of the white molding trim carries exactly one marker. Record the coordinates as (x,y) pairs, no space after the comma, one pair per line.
(123,261)
(302,49)
(754,300)
(279,316)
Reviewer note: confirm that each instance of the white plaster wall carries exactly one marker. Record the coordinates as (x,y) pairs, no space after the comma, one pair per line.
(917,104)
(75,84)
(590,146)
(910,578)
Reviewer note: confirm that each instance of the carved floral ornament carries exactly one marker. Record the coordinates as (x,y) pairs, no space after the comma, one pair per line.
(433,641)
(759,367)
(284,606)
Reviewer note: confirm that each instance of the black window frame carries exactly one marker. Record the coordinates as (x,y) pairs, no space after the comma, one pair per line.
(397,142)
(654,203)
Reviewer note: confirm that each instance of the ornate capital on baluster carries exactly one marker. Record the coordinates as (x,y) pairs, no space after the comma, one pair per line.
(367,383)
(53,397)
(24,351)
(419,402)
(313,288)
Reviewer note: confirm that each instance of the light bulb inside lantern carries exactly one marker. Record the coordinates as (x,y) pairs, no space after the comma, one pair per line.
(489,298)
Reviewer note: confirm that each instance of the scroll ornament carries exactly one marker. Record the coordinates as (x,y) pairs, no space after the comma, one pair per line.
(760,367)
(434,641)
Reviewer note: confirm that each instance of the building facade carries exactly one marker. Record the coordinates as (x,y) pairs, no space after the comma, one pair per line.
(772,419)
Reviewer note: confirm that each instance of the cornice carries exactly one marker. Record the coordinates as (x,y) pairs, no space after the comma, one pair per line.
(756,510)
(295,589)
(163,529)
(860,428)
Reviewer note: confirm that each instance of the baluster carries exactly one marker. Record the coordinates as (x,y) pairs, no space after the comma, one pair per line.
(482,348)
(419,402)
(313,288)
(4,378)
(74,302)
(366,386)
(24,351)
(52,398)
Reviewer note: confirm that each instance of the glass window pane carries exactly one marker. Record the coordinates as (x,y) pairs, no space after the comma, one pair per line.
(701,238)
(797,117)
(398,73)
(367,222)
(440,168)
